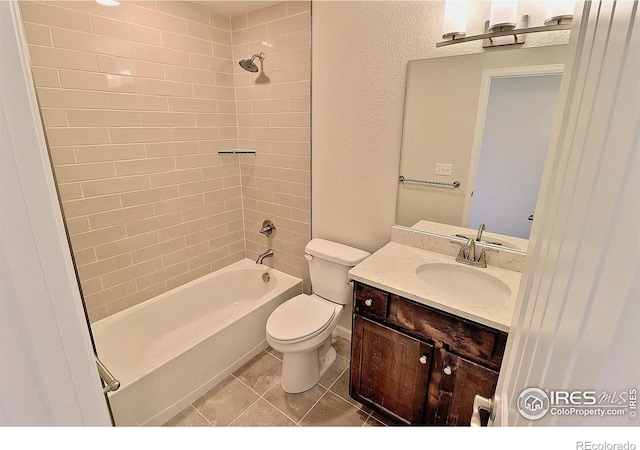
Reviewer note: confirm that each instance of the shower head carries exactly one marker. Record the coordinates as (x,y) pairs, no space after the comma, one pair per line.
(248,64)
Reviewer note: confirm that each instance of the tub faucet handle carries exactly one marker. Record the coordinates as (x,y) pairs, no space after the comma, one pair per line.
(268,228)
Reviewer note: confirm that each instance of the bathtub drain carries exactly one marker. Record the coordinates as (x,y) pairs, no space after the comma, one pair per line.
(266,277)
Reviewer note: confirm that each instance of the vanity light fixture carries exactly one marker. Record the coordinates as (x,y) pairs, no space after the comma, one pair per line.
(108,2)
(559,12)
(503,15)
(455,19)
(504,27)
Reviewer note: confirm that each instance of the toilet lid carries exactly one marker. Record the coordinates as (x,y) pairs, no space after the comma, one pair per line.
(302,316)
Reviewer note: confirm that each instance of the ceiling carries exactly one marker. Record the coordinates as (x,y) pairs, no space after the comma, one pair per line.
(234,7)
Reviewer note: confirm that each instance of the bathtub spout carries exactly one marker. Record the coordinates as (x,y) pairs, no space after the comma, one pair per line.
(264,255)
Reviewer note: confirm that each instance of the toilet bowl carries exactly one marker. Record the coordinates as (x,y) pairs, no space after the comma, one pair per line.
(301,327)
(301,330)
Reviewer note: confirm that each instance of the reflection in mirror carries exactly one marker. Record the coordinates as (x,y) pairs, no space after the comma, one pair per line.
(495,239)
(443,98)
(513,130)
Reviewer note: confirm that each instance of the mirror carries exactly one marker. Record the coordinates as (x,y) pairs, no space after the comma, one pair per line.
(448,132)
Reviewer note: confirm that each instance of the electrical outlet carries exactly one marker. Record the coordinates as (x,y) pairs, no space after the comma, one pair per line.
(443,169)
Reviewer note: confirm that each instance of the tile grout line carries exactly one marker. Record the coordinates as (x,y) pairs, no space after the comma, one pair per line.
(328,389)
(203,416)
(244,410)
(261,396)
(297,423)
(268,389)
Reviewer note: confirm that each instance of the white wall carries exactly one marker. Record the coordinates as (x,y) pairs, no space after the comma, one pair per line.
(360,55)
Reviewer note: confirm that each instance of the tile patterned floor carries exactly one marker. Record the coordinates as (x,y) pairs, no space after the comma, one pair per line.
(252,397)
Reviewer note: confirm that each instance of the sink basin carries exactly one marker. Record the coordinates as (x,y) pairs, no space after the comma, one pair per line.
(462,282)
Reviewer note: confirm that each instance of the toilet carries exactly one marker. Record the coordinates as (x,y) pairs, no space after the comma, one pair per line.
(301,327)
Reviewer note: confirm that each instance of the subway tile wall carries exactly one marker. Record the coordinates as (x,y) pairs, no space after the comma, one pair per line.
(136,101)
(273,114)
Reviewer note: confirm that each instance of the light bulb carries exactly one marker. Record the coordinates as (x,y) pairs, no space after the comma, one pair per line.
(455,19)
(558,11)
(503,15)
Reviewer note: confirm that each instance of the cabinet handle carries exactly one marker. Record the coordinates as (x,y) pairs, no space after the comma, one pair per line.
(368,302)
(424,359)
(447,370)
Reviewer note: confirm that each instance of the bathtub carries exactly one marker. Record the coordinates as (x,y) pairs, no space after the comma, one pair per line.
(168,351)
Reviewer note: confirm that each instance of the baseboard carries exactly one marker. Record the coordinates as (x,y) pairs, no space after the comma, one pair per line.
(343,332)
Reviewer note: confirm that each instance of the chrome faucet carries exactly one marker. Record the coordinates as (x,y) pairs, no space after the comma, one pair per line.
(264,255)
(468,250)
(467,254)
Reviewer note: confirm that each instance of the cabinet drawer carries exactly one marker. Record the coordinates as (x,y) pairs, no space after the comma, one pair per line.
(474,341)
(370,301)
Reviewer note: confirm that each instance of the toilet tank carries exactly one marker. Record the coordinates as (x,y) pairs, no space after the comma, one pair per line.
(329,265)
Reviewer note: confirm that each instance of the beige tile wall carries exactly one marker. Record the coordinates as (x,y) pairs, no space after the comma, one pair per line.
(273,111)
(136,102)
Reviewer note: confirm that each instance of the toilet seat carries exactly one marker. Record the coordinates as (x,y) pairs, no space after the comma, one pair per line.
(300,318)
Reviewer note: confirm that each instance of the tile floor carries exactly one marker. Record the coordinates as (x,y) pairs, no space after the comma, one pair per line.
(252,397)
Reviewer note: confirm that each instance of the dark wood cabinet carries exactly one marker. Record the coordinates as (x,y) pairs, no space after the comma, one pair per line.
(392,370)
(417,365)
(454,387)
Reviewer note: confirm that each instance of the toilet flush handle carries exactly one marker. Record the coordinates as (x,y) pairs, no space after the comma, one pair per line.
(308,257)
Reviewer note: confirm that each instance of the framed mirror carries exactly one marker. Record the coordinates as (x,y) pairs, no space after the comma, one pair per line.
(449,103)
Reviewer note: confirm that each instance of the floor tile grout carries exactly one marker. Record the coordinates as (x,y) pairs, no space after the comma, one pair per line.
(202,415)
(366,416)
(261,396)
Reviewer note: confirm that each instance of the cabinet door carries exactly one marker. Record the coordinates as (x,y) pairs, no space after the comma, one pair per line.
(455,383)
(389,371)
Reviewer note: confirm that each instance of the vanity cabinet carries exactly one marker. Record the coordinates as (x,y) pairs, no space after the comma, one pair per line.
(394,370)
(454,385)
(417,365)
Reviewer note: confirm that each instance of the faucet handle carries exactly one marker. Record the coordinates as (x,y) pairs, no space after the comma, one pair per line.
(464,248)
(482,259)
(268,228)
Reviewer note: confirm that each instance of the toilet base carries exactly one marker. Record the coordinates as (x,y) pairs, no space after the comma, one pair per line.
(302,370)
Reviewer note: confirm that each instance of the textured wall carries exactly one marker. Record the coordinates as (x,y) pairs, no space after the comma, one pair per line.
(360,55)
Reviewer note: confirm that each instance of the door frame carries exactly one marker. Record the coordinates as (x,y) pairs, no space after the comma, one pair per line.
(485,87)
(575,321)
(48,371)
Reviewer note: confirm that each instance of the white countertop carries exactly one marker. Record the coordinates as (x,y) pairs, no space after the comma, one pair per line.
(393,269)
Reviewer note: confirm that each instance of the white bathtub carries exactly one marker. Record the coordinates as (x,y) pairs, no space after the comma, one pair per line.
(168,351)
